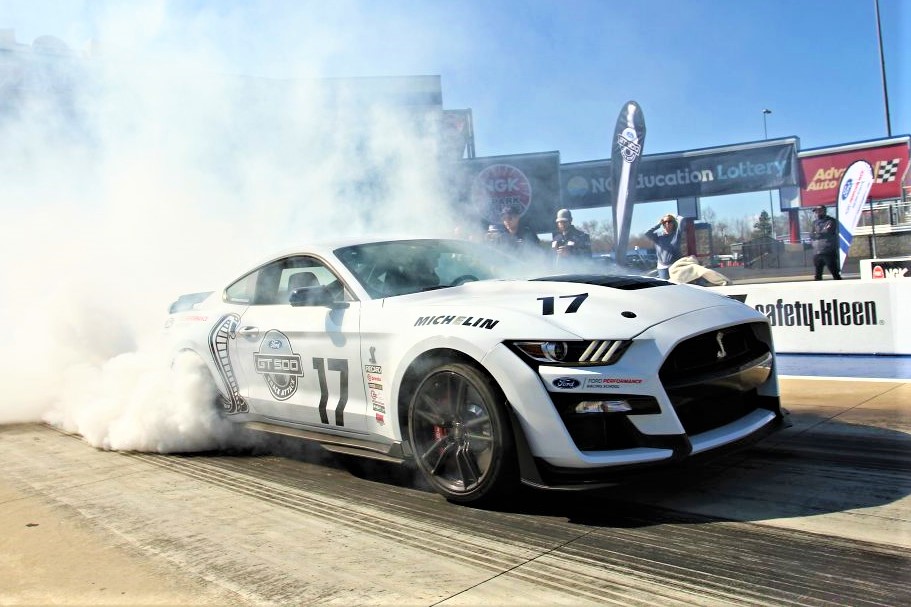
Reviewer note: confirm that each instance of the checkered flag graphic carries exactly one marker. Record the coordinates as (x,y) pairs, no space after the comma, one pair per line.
(886,170)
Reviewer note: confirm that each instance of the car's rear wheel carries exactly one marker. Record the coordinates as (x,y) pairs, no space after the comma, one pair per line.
(196,382)
(460,434)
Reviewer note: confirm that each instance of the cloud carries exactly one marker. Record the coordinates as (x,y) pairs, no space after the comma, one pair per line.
(152,170)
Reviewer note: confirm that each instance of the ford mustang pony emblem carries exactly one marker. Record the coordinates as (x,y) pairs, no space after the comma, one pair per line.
(719,337)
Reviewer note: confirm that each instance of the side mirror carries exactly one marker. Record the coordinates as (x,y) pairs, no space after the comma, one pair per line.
(315,296)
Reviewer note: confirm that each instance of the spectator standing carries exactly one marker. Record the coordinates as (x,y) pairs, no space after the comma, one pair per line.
(825,244)
(568,240)
(666,236)
(516,232)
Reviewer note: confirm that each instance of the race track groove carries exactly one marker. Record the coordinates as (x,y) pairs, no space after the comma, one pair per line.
(293,526)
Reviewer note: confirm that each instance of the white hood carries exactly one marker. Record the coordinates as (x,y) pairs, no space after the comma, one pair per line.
(582,309)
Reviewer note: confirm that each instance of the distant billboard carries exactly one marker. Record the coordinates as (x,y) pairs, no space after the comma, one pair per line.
(733,169)
(822,169)
(527,182)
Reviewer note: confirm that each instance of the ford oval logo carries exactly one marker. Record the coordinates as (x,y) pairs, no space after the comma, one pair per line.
(845,190)
(565,383)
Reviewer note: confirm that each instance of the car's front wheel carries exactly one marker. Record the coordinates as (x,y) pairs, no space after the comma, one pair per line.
(460,434)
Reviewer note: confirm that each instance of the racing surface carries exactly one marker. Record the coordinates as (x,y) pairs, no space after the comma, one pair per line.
(818,514)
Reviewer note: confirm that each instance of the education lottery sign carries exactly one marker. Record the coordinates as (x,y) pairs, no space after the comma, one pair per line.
(752,167)
(822,170)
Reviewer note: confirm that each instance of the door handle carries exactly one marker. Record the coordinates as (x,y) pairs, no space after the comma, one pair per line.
(248,332)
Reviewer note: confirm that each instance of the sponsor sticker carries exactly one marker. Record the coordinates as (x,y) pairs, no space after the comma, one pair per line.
(278,364)
(812,315)
(373,374)
(566,383)
(454,320)
(611,383)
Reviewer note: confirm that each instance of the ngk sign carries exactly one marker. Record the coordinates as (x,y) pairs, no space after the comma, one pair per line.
(529,183)
(501,186)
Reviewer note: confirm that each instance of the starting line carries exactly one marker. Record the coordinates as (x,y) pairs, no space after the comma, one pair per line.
(844,366)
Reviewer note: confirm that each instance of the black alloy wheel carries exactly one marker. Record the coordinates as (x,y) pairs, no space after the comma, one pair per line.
(461,436)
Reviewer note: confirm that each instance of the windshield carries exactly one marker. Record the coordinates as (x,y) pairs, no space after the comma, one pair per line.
(409,266)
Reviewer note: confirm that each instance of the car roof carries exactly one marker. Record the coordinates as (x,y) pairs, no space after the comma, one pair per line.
(326,247)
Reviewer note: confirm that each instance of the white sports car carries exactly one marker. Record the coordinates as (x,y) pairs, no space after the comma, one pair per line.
(426,351)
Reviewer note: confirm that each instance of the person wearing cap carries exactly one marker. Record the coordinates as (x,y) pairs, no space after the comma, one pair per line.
(568,240)
(516,232)
(825,244)
(666,236)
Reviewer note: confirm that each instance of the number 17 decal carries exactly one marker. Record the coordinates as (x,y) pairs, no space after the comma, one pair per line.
(547,303)
(335,364)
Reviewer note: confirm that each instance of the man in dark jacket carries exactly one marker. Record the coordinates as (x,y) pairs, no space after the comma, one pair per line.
(568,240)
(825,244)
(516,233)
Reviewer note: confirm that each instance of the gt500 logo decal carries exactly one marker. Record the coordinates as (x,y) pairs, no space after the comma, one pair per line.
(278,365)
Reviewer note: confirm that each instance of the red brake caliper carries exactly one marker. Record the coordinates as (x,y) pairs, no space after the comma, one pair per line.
(438,433)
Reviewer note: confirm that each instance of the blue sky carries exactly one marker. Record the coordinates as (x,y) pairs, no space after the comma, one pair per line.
(552,75)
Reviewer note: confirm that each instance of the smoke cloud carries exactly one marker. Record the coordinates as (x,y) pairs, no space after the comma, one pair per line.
(133,172)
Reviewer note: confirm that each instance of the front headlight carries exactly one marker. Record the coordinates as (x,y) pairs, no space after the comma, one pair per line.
(573,353)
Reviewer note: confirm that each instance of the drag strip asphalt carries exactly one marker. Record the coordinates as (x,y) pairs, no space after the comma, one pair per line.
(817,514)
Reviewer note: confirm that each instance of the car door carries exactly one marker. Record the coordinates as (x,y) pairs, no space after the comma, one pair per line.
(300,363)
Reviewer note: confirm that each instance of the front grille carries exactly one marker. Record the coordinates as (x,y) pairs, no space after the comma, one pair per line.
(712,379)
(715,353)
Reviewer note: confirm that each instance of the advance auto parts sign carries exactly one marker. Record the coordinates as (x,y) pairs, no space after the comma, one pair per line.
(821,173)
(830,317)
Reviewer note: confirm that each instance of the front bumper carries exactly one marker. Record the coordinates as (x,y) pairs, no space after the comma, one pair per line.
(541,474)
(702,402)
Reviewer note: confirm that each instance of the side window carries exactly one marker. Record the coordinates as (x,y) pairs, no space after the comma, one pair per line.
(278,279)
(242,291)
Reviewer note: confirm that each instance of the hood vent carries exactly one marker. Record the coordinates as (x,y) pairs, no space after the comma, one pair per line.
(626,283)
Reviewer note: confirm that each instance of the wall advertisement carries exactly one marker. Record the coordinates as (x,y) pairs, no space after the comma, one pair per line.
(833,316)
(708,172)
(822,170)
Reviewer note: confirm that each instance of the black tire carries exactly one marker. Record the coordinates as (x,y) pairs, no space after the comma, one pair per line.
(197,378)
(460,434)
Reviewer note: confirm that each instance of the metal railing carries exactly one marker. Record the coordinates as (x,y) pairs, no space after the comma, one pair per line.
(887,217)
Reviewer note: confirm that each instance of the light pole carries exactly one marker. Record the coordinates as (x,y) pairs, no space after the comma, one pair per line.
(882,67)
(765,132)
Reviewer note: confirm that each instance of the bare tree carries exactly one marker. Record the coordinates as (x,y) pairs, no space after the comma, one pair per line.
(742,227)
(601,233)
